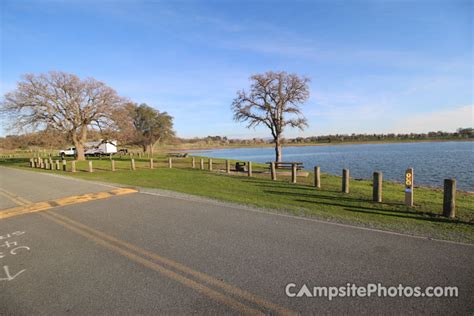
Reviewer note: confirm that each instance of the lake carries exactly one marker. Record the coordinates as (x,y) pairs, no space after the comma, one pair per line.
(432,161)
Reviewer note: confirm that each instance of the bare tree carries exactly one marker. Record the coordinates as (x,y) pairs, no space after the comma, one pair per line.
(273,100)
(63,102)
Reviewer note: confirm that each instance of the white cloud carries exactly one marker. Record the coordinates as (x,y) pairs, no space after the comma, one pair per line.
(445,120)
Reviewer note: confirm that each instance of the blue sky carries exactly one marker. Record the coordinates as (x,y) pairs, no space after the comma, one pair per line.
(375,66)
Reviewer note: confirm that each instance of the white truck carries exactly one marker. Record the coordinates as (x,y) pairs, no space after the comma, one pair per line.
(99,148)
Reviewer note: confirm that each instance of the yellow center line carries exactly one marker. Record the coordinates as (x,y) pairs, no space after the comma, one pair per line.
(235,291)
(102,238)
(217,296)
(42,206)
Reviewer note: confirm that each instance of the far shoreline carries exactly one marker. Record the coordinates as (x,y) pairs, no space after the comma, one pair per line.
(239,146)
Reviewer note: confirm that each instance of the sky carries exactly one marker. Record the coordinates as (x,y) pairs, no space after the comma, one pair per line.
(375,66)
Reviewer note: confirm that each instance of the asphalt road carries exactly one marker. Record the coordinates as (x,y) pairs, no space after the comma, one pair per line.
(148,253)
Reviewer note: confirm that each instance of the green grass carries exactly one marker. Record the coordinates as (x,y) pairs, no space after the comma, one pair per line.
(301,199)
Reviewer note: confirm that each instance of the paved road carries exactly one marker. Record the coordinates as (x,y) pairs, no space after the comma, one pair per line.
(89,251)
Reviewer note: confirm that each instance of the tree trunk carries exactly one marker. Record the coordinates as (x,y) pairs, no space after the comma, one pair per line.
(79,144)
(277,150)
(79,150)
(148,148)
(151,150)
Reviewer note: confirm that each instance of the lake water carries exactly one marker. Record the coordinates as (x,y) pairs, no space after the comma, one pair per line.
(432,161)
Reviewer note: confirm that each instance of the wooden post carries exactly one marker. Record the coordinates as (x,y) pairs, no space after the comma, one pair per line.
(132,164)
(151,163)
(64,165)
(58,167)
(273,171)
(377,187)
(345,180)
(202,164)
(210,164)
(46,164)
(409,180)
(317,177)
(112,165)
(193,162)
(449,200)
(227,166)
(90,166)
(73,166)
(249,168)
(293,173)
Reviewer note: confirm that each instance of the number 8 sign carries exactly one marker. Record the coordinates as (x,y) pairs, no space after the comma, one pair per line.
(409,187)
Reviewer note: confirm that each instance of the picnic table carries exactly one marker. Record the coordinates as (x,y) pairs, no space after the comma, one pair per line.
(286,165)
(241,166)
(178,155)
(293,166)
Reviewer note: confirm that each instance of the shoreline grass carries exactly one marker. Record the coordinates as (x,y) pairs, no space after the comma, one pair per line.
(300,199)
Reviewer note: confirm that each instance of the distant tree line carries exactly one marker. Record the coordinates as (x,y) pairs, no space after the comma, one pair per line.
(461,133)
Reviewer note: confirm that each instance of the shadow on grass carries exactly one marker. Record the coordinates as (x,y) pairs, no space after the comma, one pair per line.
(403,214)
(11,161)
(281,183)
(372,210)
(392,213)
(321,196)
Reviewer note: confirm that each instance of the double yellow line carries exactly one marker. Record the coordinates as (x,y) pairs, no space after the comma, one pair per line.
(29,207)
(236,298)
(223,293)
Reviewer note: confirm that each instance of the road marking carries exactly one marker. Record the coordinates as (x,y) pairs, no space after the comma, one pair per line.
(13,197)
(217,296)
(235,291)
(42,206)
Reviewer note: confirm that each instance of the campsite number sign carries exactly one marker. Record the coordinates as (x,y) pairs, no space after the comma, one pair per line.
(409,187)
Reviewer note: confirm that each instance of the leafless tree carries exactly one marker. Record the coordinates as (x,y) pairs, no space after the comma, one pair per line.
(273,100)
(63,102)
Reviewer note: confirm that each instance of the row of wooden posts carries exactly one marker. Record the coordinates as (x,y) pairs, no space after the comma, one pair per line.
(449,199)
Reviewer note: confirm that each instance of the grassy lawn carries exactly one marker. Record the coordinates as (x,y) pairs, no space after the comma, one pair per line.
(300,199)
